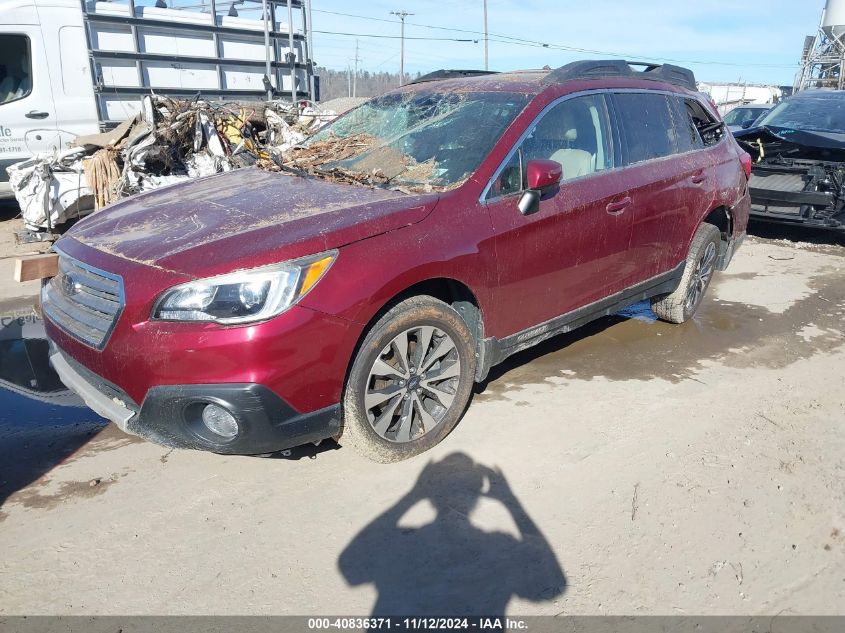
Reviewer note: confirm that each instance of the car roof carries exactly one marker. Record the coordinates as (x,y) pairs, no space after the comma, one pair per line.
(535,81)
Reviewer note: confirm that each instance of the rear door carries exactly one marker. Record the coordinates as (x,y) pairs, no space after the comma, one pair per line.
(573,250)
(660,182)
(27,111)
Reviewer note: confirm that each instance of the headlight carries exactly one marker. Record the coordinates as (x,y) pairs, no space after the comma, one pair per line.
(244,296)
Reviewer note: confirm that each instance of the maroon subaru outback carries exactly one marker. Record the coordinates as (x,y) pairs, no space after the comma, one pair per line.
(436,230)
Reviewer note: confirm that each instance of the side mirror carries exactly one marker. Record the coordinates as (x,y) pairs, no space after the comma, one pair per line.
(542,176)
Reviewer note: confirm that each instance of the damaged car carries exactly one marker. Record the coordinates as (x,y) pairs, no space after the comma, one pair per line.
(798,148)
(357,286)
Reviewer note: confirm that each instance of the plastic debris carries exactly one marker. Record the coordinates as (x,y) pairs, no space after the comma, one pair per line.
(169,141)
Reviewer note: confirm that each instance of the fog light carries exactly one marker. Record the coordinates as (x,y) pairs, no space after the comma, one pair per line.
(219,421)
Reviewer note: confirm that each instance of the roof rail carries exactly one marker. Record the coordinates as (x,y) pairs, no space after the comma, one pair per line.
(602,69)
(450,74)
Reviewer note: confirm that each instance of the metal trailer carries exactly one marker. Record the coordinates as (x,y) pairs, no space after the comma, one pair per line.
(231,50)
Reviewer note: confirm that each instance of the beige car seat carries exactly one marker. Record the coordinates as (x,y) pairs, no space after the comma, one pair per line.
(575,162)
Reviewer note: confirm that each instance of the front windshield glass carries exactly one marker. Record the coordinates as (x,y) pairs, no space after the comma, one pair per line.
(811,114)
(416,140)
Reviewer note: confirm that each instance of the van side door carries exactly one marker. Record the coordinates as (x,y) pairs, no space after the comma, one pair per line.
(70,73)
(573,249)
(27,110)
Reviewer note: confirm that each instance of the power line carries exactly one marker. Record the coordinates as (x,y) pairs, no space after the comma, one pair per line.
(396,37)
(508,39)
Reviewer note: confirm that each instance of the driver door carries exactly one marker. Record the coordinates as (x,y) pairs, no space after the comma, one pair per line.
(573,249)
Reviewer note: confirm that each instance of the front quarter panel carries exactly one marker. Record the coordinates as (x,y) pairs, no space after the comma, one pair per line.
(454,242)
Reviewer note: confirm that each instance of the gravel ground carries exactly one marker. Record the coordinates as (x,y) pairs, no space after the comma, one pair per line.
(632,467)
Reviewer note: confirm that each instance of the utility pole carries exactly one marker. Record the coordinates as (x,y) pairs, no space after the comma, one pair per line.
(486,64)
(402,15)
(355,76)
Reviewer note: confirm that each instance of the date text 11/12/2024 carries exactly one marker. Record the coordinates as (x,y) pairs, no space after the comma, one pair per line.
(418,623)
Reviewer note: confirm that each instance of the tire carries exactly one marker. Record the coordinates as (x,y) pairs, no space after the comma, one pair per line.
(392,411)
(680,305)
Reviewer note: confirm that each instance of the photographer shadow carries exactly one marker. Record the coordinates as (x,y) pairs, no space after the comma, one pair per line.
(450,567)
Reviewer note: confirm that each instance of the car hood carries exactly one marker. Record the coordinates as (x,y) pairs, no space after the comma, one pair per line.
(216,224)
(792,143)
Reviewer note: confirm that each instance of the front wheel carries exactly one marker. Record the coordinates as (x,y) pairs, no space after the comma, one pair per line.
(410,381)
(680,305)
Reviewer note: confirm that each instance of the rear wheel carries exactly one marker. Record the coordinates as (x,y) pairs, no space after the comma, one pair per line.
(410,381)
(680,305)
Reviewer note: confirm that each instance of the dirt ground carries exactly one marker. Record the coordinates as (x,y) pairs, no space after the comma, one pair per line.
(632,467)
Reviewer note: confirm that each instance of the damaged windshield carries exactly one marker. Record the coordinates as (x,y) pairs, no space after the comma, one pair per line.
(810,114)
(419,140)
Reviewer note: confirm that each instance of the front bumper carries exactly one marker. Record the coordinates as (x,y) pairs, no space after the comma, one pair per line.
(171,415)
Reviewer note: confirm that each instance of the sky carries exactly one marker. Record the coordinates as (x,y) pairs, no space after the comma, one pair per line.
(720,40)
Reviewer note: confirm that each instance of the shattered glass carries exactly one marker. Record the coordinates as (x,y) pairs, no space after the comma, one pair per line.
(417,140)
(822,114)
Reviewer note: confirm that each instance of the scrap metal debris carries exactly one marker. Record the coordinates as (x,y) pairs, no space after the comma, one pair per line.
(169,141)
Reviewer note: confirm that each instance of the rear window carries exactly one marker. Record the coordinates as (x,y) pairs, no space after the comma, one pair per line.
(649,129)
(15,67)
(738,116)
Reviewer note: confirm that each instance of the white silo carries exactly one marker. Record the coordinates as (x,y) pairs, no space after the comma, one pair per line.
(833,19)
(823,63)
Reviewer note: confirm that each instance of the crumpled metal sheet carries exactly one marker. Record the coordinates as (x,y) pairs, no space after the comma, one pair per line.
(51,189)
(168,142)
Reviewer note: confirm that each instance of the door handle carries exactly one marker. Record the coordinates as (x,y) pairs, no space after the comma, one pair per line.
(35,114)
(615,208)
(698,179)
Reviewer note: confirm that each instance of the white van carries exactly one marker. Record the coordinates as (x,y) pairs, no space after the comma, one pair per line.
(71,67)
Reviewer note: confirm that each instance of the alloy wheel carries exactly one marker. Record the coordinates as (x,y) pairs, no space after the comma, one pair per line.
(701,277)
(412,384)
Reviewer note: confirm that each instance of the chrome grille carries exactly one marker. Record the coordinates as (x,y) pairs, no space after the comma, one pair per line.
(83,301)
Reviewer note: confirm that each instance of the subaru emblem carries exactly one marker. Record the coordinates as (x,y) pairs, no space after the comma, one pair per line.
(69,285)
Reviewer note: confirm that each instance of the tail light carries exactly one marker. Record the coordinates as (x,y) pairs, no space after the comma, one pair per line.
(745,159)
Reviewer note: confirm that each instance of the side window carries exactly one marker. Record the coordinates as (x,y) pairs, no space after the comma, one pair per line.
(509,179)
(575,134)
(15,68)
(686,134)
(649,129)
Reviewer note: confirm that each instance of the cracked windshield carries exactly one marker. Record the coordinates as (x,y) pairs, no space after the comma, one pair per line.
(414,141)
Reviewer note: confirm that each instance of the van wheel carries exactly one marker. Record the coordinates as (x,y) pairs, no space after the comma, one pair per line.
(680,305)
(410,381)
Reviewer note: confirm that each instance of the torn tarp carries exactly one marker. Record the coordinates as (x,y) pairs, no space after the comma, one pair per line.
(169,141)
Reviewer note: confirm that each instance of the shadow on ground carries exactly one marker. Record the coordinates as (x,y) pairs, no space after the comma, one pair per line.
(41,421)
(9,210)
(449,566)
